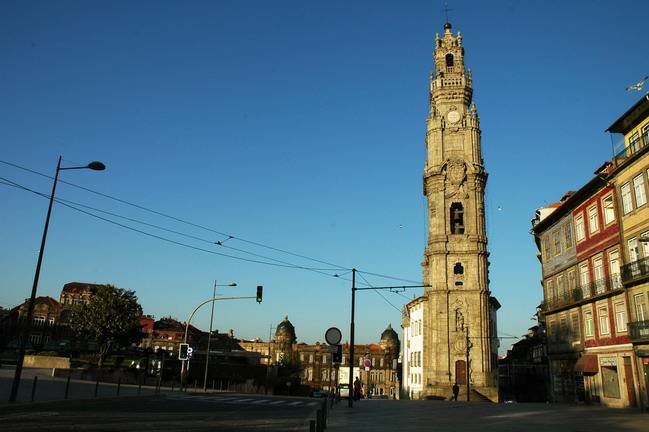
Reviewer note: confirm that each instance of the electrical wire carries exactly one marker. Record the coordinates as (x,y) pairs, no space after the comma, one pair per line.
(379,293)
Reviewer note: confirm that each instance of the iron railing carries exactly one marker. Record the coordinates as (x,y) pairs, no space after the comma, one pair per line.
(635,271)
(632,148)
(587,291)
(639,330)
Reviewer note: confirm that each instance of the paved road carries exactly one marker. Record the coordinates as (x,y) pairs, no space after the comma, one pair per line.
(167,412)
(441,416)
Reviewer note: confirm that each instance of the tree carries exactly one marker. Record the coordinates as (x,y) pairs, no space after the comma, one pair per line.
(110,318)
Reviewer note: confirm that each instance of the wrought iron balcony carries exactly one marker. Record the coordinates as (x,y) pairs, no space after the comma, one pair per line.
(632,148)
(639,331)
(635,271)
(583,293)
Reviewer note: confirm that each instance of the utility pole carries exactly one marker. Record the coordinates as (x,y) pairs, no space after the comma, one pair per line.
(468,347)
(350,399)
(270,356)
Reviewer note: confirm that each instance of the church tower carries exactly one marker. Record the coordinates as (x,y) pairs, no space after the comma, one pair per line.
(458,306)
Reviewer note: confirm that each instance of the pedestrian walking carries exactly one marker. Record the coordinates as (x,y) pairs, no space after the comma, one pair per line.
(456,391)
(357,389)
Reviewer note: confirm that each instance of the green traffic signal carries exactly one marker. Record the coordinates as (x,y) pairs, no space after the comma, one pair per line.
(260,293)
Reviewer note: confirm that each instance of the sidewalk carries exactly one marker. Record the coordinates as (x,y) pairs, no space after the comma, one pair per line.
(440,416)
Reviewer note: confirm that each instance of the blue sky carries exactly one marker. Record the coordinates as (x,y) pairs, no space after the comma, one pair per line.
(298,125)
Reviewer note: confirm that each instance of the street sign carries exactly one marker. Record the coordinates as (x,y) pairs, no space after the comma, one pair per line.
(367,363)
(333,336)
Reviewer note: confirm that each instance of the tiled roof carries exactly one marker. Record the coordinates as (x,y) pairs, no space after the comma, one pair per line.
(80,287)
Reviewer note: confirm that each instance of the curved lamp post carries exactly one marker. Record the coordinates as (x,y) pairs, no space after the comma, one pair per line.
(96,166)
(191,315)
(209,335)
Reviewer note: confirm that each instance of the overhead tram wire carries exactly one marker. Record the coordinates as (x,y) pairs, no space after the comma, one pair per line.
(379,293)
(387,277)
(228,236)
(66,203)
(176,218)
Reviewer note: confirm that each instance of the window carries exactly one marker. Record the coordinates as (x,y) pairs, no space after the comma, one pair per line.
(593,225)
(457,218)
(627,204)
(35,339)
(575,327)
(310,358)
(638,188)
(572,282)
(553,331)
(608,209)
(620,317)
(598,271)
(584,279)
(634,142)
(614,268)
(603,320)
(546,246)
(579,227)
(610,381)
(589,325)
(644,239)
(38,321)
(561,288)
(381,362)
(567,233)
(640,306)
(557,242)
(458,269)
(634,253)
(563,327)
(449,60)
(324,358)
(550,292)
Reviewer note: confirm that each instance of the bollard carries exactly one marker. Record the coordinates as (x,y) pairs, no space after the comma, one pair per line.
(119,384)
(34,387)
(312,426)
(96,386)
(67,387)
(318,421)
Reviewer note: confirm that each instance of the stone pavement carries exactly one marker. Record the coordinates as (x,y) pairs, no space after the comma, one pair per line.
(440,416)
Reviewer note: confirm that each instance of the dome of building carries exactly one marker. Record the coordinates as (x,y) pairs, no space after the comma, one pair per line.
(389,334)
(285,331)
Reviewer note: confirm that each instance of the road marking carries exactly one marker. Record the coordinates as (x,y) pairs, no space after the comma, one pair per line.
(313,404)
(295,403)
(277,402)
(259,401)
(240,400)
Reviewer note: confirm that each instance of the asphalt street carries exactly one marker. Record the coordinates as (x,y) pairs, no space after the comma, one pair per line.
(166,412)
(442,416)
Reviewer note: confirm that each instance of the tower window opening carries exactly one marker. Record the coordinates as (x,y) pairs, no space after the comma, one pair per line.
(449,60)
(458,269)
(457,218)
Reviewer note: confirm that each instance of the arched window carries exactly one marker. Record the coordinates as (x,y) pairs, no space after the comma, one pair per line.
(449,60)
(457,218)
(458,269)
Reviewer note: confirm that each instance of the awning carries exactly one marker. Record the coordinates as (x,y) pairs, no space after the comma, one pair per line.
(587,364)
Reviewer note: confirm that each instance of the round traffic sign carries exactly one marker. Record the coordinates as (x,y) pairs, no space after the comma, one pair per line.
(333,336)
(367,362)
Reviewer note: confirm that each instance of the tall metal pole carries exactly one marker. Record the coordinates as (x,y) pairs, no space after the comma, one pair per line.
(209,338)
(350,400)
(468,385)
(30,308)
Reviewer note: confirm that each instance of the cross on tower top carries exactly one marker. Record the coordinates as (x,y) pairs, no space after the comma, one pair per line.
(446,9)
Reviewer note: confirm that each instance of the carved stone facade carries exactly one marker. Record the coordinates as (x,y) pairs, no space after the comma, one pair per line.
(458,306)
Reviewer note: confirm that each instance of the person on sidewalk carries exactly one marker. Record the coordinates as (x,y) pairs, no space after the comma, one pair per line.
(456,391)
(357,389)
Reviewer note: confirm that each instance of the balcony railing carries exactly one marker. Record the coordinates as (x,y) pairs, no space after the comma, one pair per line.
(639,330)
(635,271)
(584,292)
(632,148)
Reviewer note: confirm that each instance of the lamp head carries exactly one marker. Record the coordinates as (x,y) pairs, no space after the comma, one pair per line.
(233,284)
(97,166)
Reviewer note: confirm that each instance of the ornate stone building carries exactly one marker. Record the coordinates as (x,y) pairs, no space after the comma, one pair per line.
(457,305)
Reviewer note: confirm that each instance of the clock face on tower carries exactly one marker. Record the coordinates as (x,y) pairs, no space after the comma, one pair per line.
(453,116)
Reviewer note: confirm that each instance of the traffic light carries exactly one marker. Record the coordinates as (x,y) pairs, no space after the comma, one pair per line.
(183,351)
(337,356)
(260,293)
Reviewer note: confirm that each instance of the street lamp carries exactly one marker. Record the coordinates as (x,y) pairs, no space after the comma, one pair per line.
(209,335)
(96,166)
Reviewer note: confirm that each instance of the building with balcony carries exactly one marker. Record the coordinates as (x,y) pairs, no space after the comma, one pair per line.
(584,307)
(630,176)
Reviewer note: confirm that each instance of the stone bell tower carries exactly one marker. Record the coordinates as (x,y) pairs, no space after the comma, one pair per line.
(455,264)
